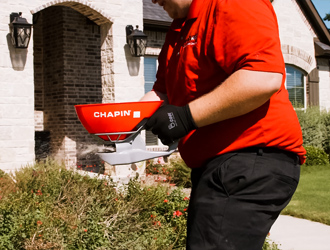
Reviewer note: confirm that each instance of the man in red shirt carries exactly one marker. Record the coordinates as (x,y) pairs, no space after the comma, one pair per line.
(221,74)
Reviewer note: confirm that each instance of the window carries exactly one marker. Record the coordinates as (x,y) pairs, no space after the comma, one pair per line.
(150,69)
(295,84)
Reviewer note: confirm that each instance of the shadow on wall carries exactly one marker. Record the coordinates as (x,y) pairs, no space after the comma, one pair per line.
(17,56)
(133,63)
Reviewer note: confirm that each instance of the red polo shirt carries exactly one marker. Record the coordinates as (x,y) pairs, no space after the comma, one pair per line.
(201,51)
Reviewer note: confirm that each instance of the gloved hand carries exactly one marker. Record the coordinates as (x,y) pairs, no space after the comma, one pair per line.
(171,123)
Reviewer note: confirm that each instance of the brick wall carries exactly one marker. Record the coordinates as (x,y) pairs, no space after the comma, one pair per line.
(82,76)
(68,73)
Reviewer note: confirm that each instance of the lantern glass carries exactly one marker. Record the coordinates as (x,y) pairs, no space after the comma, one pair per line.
(23,36)
(131,46)
(20,31)
(141,46)
(137,42)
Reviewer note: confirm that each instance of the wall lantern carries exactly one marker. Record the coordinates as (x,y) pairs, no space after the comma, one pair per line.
(136,40)
(20,30)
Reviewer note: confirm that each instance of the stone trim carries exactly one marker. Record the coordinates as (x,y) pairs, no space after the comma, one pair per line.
(97,15)
(298,57)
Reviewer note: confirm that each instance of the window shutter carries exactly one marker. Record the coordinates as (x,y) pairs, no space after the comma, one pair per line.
(313,81)
(314,76)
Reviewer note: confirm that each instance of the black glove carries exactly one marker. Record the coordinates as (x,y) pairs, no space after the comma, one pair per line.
(171,123)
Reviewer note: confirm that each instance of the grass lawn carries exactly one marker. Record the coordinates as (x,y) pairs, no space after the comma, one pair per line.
(312,198)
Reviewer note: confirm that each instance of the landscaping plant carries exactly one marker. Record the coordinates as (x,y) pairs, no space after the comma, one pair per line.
(312,126)
(316,156)
(47,206)
(175,172)
(315,126)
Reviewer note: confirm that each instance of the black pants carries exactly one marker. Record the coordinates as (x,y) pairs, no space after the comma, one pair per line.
(237,197)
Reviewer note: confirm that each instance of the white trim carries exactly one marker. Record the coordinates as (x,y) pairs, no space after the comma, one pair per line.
(152,51)
(305,85)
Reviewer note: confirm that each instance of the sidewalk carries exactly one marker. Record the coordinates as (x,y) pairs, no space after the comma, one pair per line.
(291,233)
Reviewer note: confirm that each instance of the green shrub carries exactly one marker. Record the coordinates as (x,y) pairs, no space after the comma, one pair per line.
(181,173)
(176,172)
(47,206)
(2,173)
(315,126)
(50,207)
(316,156)
(312,126)
(326,140)
(269,245)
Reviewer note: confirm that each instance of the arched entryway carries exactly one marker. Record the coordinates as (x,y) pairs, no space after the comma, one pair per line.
(72,65)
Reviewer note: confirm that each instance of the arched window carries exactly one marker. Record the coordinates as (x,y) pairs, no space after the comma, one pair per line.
(295,84)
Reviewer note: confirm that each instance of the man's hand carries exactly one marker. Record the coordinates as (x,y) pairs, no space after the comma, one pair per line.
(171,123)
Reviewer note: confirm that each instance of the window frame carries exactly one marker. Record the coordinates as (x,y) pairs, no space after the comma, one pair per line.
(304,84)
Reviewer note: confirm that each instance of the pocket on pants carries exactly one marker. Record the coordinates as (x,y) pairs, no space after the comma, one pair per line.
(261,178)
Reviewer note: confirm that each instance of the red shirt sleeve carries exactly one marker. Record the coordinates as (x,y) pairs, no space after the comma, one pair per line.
(244,48)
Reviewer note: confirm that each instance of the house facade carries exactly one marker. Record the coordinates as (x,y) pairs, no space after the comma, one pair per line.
(306,49)
(78,55)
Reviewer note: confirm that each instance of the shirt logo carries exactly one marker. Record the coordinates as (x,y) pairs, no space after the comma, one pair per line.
(192,40)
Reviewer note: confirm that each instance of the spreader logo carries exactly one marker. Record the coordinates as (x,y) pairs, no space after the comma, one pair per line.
(136,114)
(113,114)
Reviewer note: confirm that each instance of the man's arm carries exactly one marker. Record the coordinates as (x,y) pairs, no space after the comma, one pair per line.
(241,93)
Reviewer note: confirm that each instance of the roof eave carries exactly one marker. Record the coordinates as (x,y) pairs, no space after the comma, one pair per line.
(156,23)
(316,21)
(321,49)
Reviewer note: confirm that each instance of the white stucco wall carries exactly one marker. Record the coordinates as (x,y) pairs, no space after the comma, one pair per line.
(324,74)
(16,95)
(17,83)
